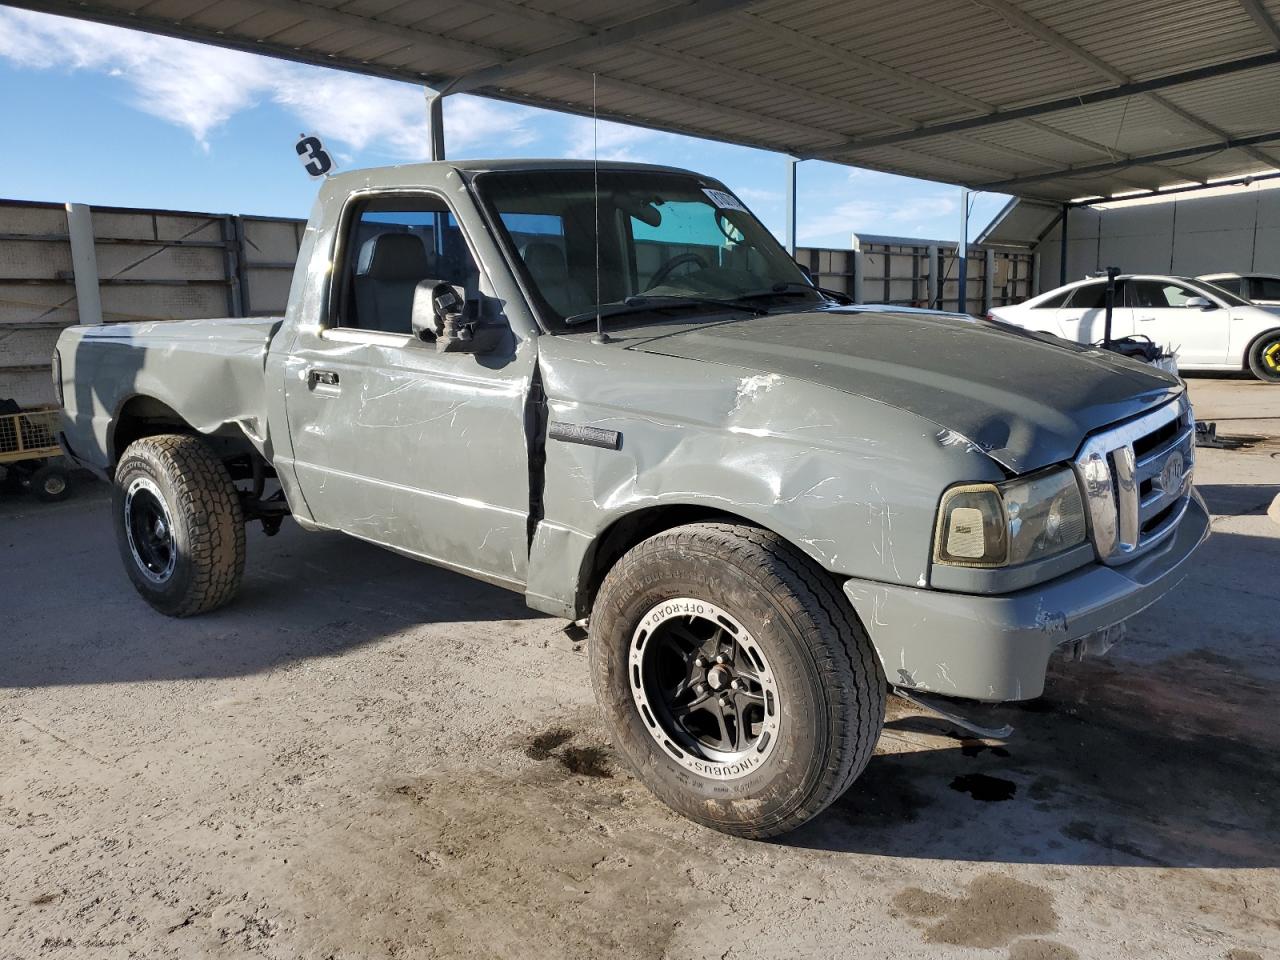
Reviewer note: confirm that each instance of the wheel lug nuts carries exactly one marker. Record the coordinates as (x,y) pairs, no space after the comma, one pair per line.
(724,702)
(720,658)
(735,684)
(699,662)
(700,687)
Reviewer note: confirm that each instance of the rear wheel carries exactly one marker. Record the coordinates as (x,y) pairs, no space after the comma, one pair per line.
(1264,357)
(734,677)
(178,524)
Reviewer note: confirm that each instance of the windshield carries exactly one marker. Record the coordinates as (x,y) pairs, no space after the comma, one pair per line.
(668,242)
(1229,298)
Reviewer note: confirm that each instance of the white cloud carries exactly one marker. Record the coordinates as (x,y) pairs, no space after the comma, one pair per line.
(199,88)
(616,141)
(907,216)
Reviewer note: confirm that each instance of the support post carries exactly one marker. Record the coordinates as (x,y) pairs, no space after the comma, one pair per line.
(1035,274)
(792,164)
(435,121)
(1062,248)
(962,255)
(988,281)
(84,263)
(934,292)
(855,262)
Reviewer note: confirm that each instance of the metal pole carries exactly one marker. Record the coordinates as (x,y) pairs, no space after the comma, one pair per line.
(1062,248)
(84,263)
(962,253)
(792,164)
(435,121)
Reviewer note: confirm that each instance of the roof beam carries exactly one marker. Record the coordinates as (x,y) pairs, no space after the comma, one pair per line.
(1057,41)
(666,19)
(1067,103)
(1233,143)
(1266,23)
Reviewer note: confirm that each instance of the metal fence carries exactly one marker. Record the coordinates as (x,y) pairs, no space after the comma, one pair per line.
(66,264)
(921,273)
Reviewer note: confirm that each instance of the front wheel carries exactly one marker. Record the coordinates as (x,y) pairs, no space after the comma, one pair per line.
(178,524)
(1264,357)
(734,677)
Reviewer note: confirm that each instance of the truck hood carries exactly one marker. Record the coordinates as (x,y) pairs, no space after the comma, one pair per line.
(1025,399)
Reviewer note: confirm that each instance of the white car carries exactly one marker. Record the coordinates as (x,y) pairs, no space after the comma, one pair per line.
(1260,289)
(1203,325)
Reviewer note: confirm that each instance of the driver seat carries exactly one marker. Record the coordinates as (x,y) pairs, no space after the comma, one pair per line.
(546,265)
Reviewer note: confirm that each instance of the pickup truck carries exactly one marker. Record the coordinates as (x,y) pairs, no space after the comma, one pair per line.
(611,390)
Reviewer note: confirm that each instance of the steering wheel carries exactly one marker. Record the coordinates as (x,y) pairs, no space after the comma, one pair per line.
(667,268)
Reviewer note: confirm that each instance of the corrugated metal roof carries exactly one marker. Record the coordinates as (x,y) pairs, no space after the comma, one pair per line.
(1102,92)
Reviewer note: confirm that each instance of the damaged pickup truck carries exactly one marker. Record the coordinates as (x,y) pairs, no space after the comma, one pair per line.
(771,507)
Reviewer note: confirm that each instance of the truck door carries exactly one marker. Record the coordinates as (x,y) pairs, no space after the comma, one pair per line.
(1196,335)
(394,442)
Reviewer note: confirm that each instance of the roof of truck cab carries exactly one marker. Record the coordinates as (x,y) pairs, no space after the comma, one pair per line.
(440,168)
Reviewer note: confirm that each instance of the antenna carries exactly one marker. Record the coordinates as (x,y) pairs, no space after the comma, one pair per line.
(601,336)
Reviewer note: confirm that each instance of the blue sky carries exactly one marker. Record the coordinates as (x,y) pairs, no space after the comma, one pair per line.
(108,116)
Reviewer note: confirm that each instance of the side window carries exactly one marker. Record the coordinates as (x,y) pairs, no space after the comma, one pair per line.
(1092,296)
(1057,300)
(1152,294)
(392,245)
(1231,284)
(1264,288)
(1177,295)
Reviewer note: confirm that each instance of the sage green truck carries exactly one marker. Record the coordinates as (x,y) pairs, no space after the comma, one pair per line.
(614,392)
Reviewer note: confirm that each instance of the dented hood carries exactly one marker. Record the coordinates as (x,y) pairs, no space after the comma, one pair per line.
(1027,400)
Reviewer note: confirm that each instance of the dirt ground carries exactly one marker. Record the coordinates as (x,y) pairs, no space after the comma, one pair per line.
(366,757)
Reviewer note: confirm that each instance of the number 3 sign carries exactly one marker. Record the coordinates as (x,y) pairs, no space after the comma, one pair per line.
(315,159)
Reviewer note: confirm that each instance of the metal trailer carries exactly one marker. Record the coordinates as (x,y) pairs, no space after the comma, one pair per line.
(30,455)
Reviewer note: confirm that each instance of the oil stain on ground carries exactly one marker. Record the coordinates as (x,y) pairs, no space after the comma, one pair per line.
(1038,948)
(985,788)
(994,911)
(586,761)
(541,745)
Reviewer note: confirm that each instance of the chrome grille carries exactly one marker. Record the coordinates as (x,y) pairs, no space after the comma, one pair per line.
(1136,479)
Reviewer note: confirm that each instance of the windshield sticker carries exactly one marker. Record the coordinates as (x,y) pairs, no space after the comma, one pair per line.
(723,200)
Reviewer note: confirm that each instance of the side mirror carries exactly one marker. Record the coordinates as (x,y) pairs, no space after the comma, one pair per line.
(1202,303)
(439,316)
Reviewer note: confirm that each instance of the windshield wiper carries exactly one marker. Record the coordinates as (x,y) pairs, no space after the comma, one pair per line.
(641,303)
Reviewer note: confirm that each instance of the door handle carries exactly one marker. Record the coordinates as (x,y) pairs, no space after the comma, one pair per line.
(327,377)
(1145,319)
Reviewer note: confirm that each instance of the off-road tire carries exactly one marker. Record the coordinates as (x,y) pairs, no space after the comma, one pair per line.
(830,684)
(51,483)
(1259,351)
(207,523)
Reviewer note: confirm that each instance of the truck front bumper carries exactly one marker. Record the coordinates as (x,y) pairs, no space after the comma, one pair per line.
(996,648)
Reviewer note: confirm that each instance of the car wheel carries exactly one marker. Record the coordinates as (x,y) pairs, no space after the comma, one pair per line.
(1264,357)
(51,483)
(734,677)
(178,524)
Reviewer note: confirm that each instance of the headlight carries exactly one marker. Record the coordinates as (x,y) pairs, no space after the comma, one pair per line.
(1002,524)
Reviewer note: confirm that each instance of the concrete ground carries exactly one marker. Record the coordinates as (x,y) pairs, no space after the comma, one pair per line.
(366,757)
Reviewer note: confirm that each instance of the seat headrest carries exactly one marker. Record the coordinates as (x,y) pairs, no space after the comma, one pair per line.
(393,256)
(545,262)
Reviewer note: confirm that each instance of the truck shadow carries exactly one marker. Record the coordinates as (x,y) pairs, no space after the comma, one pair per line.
(1175,765)
(305,595)
(1166,753)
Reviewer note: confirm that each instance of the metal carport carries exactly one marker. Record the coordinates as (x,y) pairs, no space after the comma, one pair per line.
(1055,99)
